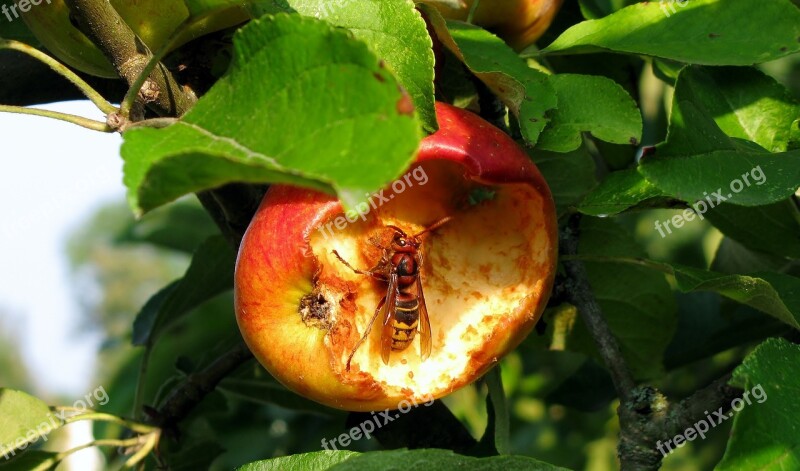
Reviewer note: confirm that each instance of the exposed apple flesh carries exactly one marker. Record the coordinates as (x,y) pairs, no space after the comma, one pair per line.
(486,274)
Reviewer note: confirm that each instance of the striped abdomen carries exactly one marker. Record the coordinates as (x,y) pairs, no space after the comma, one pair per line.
(404,323)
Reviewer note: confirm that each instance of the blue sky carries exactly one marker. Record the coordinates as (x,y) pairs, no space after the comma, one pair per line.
(53,176)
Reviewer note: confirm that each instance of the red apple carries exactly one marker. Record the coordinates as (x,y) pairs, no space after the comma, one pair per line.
(486,274)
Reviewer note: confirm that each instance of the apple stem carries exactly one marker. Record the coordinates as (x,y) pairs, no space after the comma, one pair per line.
(101,103)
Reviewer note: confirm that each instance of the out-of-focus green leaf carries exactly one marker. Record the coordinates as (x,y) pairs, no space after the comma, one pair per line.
(710,32)
(179,226)
(318,110)
(594,104)
(765,433)
(570,175)
(527,92)
(637,302)
(772,293)
(774,228)
(209,274)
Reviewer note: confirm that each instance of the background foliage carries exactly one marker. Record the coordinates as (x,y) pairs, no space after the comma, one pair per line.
(632,115)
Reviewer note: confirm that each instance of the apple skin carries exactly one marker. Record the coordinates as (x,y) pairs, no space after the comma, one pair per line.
(519,22)
(277,271)
(153,21)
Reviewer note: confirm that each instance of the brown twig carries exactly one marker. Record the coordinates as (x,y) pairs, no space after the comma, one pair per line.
(646,416)
(177,405)
(103,25)
(579,293)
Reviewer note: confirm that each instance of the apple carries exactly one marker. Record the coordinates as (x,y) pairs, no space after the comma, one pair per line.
(152,20)
(486,273)
(519,22)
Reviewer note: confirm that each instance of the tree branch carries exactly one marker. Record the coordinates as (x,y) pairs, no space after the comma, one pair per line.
(103,25)
(186,396)
(646,427)
(579,294)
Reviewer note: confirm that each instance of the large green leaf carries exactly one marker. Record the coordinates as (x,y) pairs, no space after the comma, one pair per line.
(430,460)
(766,435)
(303,103)
(527,92)
(394,29)
(209,274)
(24,419)
(594,104)
(637,303)
(700,162)
(712,32)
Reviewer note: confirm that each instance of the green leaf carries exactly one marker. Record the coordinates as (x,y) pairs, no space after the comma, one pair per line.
(570,175)
(209,274)
(395,30)
(772,293)
(766,435)
(304,103)
(24,419)
(594,104)
(619,191)
(527,92)
(698,161)
(316,461)
(712,32)
(637,302)
(774,228)
(31,461)
(428,459)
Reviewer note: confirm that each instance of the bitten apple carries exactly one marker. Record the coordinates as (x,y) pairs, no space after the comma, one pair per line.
(518,22)
(486,274)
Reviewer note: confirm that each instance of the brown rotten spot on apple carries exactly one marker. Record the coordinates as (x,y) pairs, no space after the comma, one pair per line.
(485,274)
